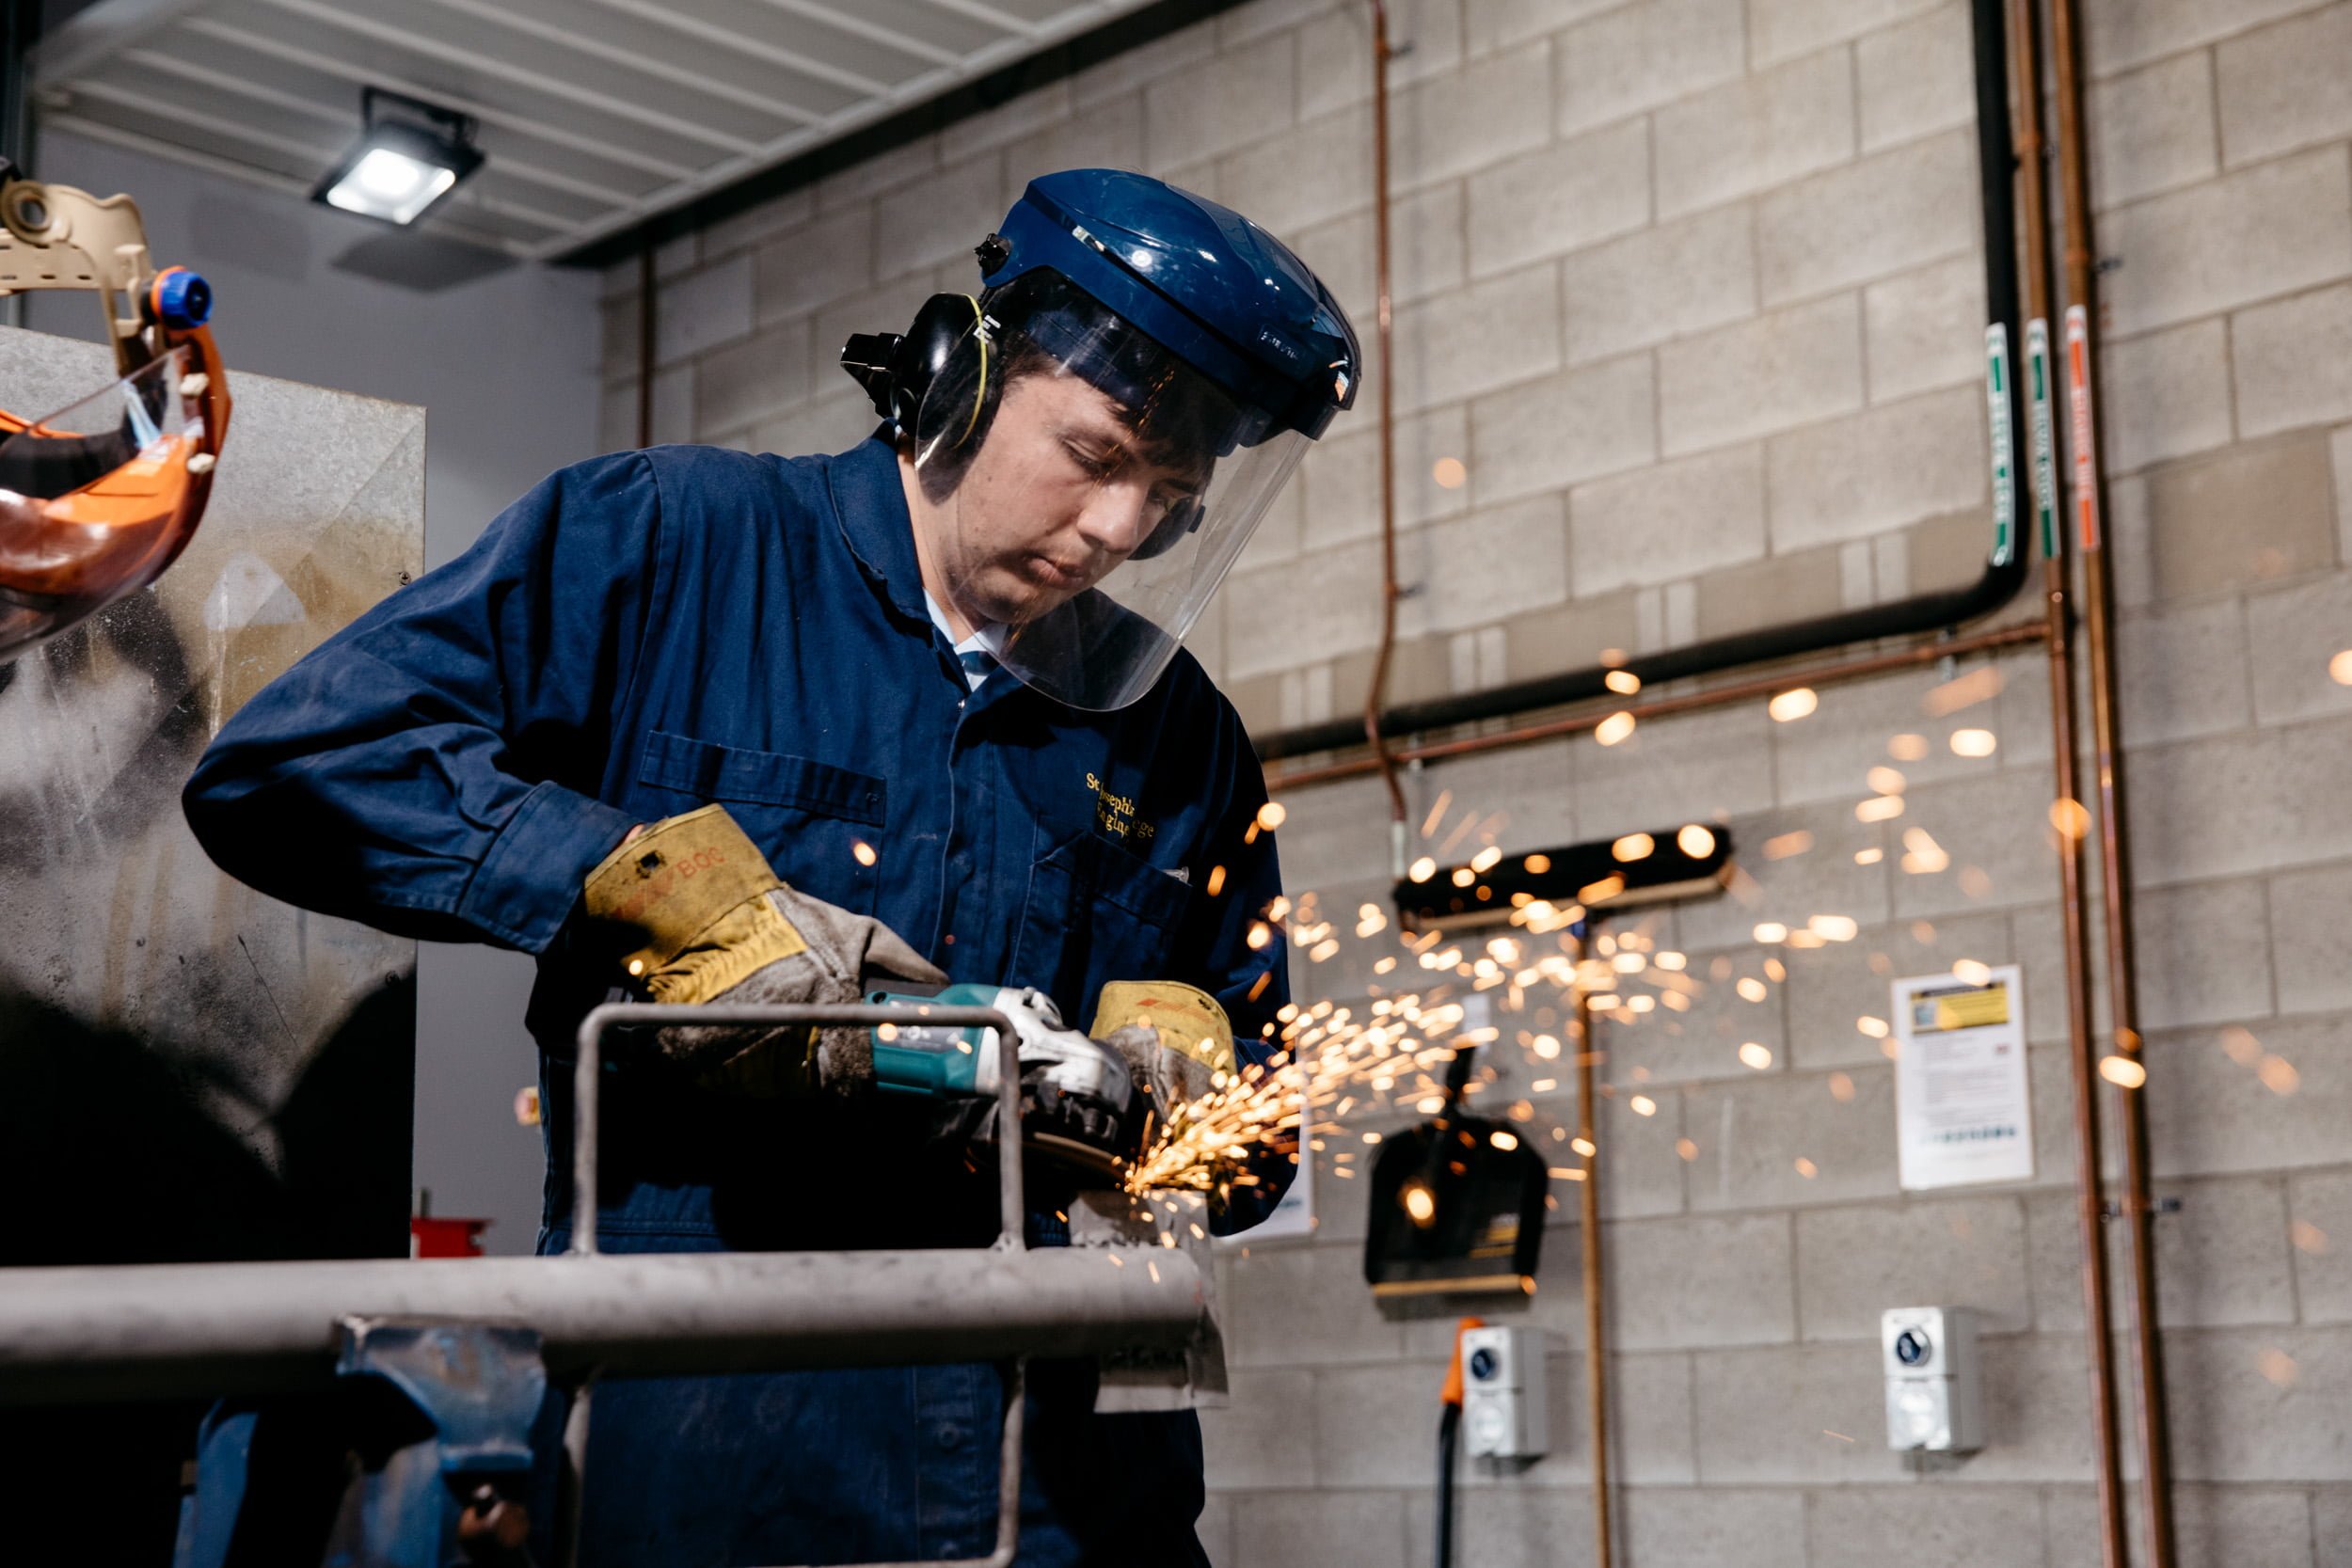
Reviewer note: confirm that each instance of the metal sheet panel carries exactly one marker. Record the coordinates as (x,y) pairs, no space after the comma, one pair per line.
(189,1069)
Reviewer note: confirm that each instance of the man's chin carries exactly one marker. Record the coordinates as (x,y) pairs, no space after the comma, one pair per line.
(1012,599)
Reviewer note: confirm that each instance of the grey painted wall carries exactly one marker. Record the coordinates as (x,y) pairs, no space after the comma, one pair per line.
(505,367)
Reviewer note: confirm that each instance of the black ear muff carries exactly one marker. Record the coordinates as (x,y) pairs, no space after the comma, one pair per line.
(898,368)
(1182,519)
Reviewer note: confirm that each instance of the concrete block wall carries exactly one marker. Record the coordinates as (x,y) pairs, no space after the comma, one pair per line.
(1691,290)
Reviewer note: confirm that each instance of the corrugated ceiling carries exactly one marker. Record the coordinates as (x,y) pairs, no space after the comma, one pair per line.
(595,114)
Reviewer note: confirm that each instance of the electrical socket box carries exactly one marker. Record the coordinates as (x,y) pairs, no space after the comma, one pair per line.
(1934,1393)
(1505,1409)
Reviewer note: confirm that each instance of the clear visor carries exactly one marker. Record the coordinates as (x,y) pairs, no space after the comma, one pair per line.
(96,500)
(1086,493)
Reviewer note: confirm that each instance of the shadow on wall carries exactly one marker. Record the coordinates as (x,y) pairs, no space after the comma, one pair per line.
(114,1154)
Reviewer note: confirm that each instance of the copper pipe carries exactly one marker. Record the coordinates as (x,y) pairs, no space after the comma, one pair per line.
(1588,1210)
(2089,505)
(1659,708)
(645,345)
(2025,49)
(1377,699)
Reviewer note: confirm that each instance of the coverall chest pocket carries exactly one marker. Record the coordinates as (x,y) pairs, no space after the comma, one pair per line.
(1094,912)
(820,826)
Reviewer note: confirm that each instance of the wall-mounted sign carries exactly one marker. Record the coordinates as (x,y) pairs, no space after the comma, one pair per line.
(1964,1105)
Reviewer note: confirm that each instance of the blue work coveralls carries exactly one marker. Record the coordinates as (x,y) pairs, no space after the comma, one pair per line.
(650,632)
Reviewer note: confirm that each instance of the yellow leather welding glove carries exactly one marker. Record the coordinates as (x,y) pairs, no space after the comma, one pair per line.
(704,919)
(1176,1040)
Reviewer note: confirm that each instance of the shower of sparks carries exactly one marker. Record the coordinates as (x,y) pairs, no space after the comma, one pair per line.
(2122,1071)
(1383,1053)
(1975,743)
(1922,855)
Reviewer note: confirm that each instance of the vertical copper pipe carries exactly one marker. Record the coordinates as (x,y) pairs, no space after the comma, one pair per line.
(1588,1210)
(645,344)
(2089,505)
(1385,313)
(2024,28)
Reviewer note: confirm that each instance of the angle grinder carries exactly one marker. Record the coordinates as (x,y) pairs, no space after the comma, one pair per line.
(1078,1102)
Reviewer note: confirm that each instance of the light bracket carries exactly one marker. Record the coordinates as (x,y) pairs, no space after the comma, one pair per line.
(407,159)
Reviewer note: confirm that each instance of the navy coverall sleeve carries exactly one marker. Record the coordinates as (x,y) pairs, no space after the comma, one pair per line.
(432,768)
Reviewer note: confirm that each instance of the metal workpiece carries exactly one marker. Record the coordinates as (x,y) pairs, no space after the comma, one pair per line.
(588,1077)
(79,1335)
(1147,1231)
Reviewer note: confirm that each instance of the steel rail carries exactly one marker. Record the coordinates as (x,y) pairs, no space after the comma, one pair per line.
(171,1330)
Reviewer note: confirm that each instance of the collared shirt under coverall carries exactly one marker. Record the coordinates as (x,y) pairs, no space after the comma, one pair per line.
(649,632)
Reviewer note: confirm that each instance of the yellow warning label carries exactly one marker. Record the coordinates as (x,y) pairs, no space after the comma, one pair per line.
(1974,1009)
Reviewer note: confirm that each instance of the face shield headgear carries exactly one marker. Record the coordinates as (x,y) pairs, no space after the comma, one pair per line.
(1092,473)
(97,498)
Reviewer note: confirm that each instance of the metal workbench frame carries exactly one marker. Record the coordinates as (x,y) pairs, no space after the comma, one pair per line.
(147,1331)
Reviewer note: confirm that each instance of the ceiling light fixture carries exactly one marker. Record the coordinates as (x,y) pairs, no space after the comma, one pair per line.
(410,156)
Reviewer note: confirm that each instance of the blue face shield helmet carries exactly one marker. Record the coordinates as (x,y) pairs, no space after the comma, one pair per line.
(1103,427)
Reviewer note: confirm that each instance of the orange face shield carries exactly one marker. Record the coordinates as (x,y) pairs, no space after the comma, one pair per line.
(97,498)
